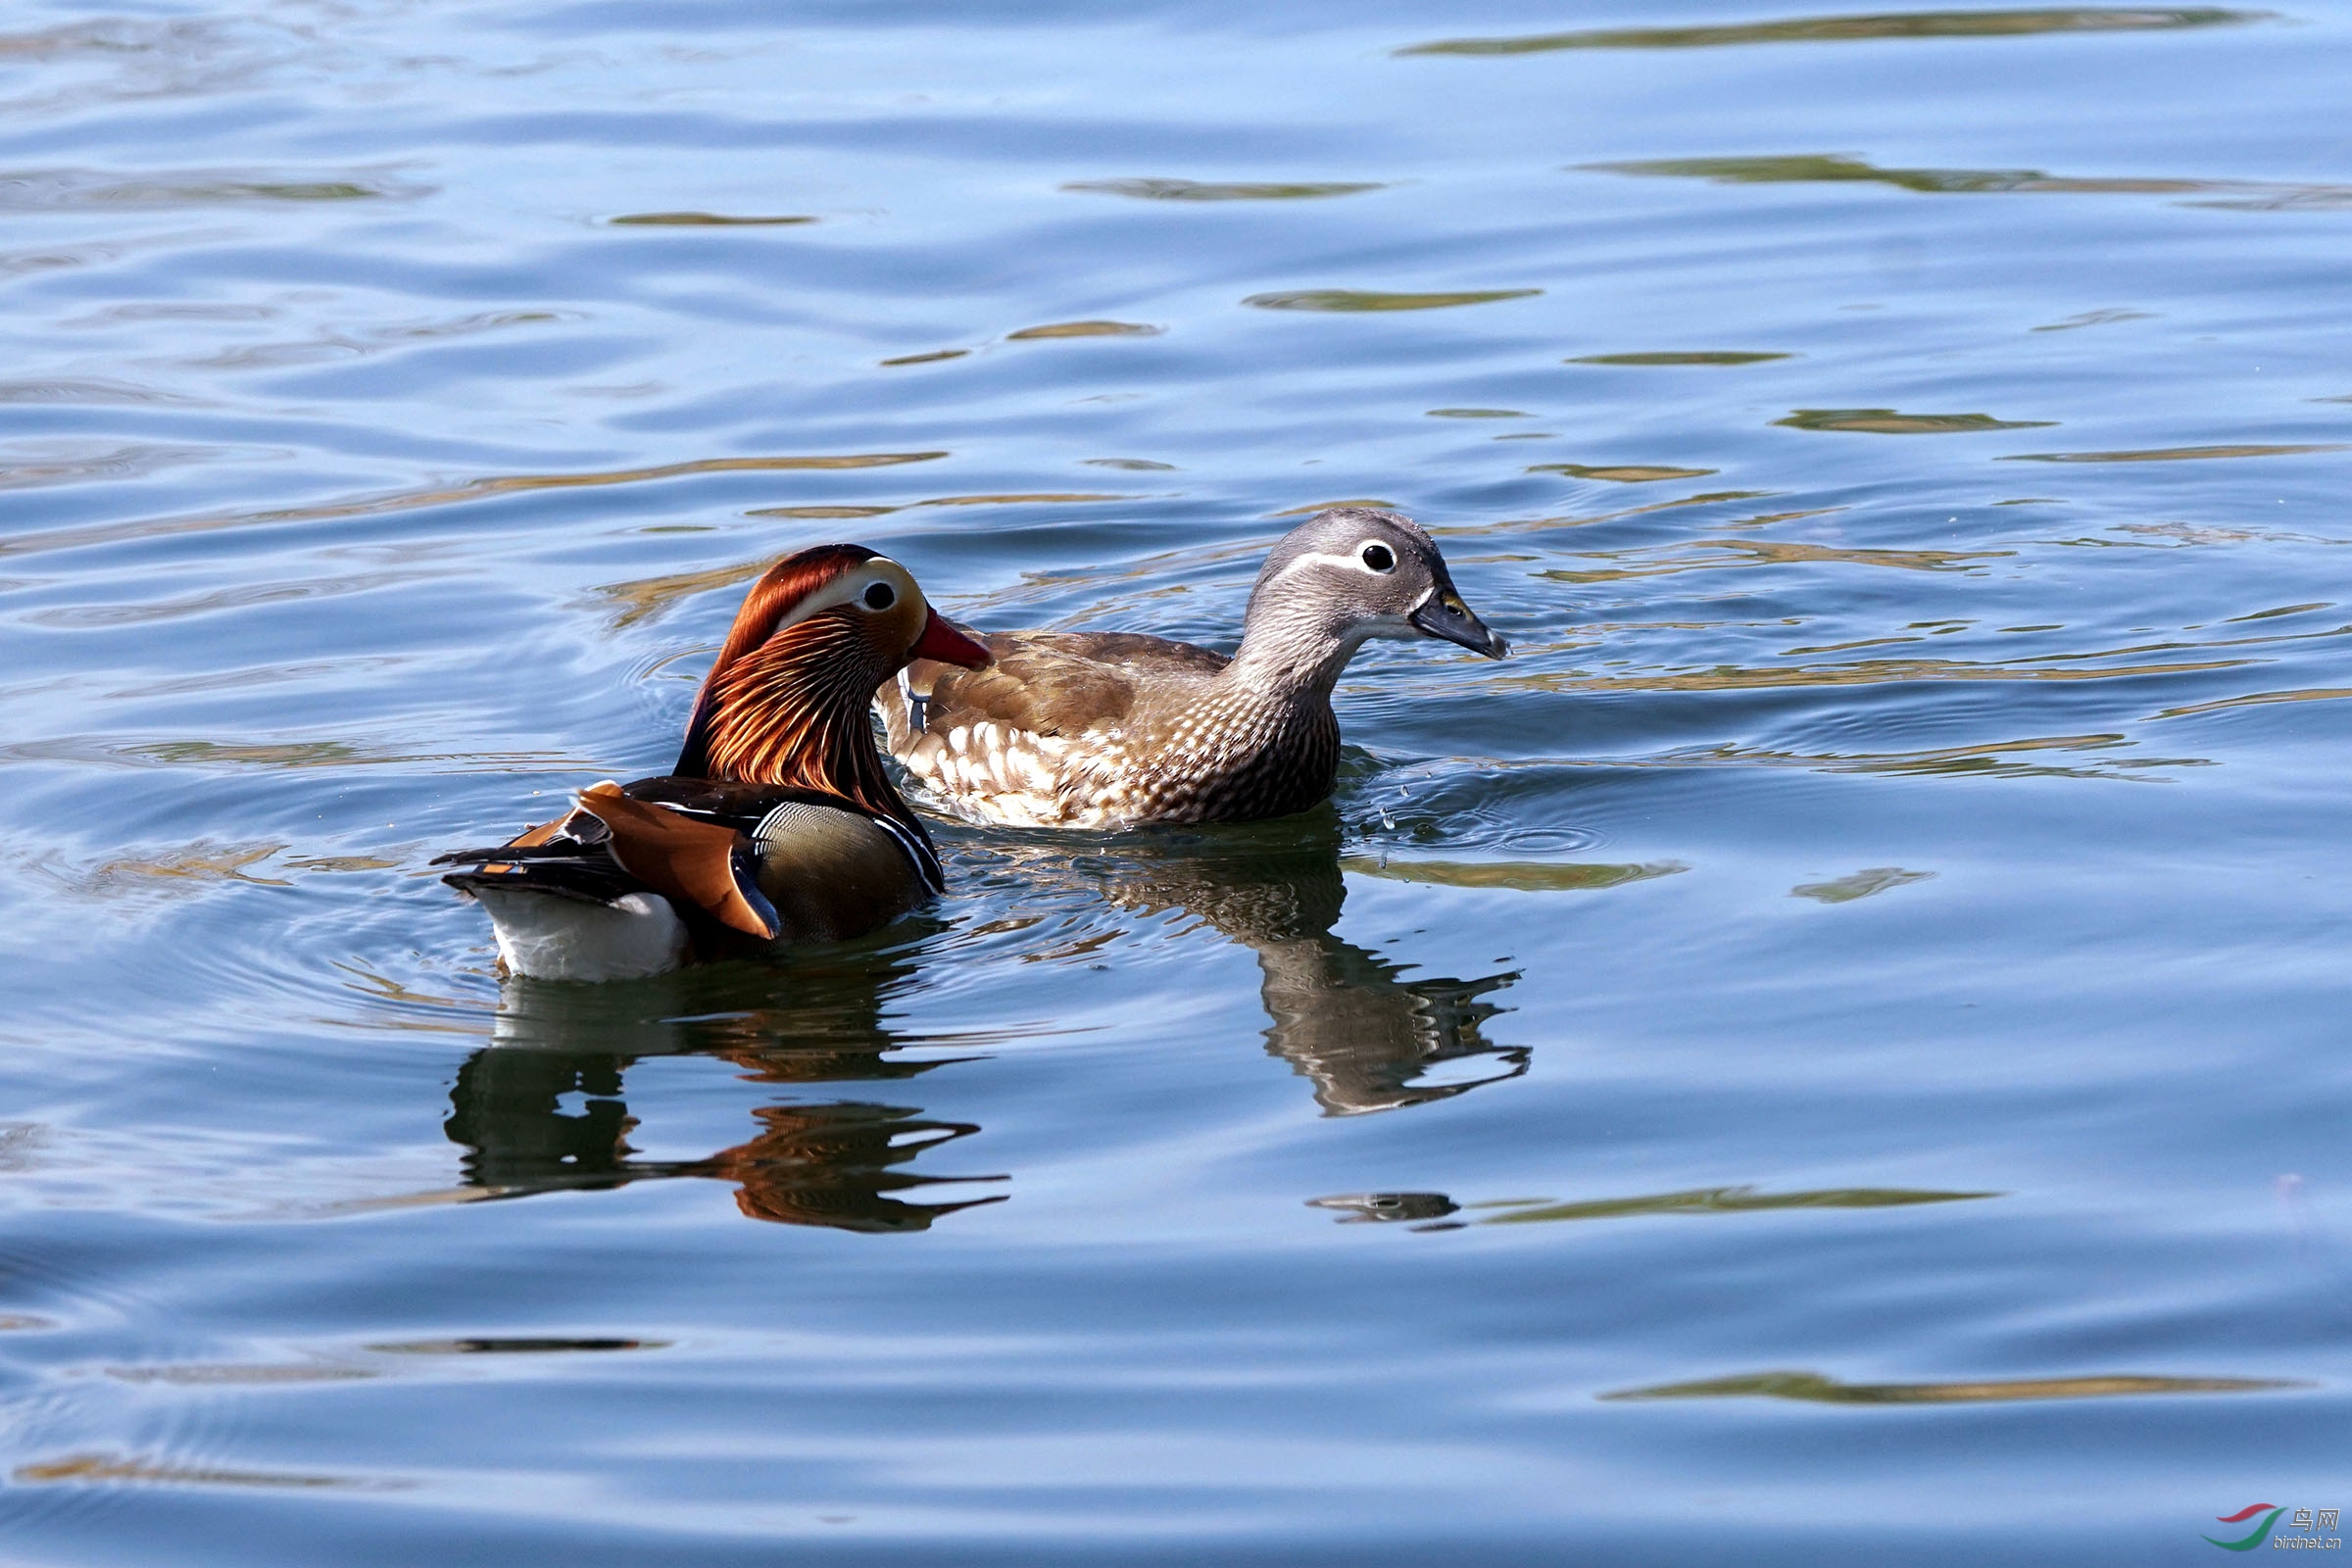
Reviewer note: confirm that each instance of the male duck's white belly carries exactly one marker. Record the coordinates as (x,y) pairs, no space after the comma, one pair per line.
(550,938)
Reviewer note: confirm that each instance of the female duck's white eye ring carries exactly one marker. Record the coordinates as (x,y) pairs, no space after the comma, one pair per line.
(1378,557)
(879,596)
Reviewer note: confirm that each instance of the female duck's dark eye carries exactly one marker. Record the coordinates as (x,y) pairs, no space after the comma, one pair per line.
(879,596)
(1380,558)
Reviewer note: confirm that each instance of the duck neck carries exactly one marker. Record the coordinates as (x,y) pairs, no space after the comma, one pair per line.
(1290,659)
(795,712)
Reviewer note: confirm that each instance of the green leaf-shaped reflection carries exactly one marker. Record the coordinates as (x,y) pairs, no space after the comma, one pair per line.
(1839,29)
(1814,1388)
(706,221)
(1861,885)
(1707,357)
(1887,421)
(2172,453)
(1525,876)
(1356,299)
(1724,1201)
(1194,190)
(1084,329)
(33,189)
(2241,195)
(1622,473)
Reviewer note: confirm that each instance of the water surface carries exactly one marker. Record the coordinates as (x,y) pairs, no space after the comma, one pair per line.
(1833,1052)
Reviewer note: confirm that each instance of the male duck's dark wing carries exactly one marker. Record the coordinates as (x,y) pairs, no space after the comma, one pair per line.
(738,854)
(610,846)
(770,814)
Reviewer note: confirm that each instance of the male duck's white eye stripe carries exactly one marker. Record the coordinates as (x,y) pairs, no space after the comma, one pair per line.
(851,587)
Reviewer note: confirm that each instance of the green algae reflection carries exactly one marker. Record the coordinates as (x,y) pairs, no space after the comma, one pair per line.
(1720,1200)
(1523,876)
(1713,555)
(2173,454)
(1621,473)
(1356,299)
(1888,422)
(705,221)
(1664,359)
(1839,29)
(1813,1388)
(458,493)
(40,189)
(2237,195)
(1054,329)
(1194,190)
(105,1467)
(1861,885)
(1806,168)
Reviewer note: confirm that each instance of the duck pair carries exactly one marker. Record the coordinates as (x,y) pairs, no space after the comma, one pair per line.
(781,827)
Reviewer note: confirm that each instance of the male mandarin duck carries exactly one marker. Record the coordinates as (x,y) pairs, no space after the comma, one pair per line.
(1114,730)
(777,827)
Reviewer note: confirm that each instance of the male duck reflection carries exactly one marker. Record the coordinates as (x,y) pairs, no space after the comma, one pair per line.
(777,827)
(1113,730)
(545,1106)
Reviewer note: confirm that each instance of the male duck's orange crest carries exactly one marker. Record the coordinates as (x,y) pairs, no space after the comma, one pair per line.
(780,589)
(788,699)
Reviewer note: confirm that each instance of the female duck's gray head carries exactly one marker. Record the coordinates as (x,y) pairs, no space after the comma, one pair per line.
(1356,572)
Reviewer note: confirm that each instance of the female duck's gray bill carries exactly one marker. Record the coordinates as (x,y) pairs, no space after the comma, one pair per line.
(1444,614)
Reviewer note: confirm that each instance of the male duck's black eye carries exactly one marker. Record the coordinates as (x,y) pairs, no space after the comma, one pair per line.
(880,596)
(1380,558)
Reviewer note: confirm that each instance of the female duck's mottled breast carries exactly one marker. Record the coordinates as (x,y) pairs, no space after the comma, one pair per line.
(1065,729)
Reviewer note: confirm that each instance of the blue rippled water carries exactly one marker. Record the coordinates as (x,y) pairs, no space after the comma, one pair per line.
(1834,1052)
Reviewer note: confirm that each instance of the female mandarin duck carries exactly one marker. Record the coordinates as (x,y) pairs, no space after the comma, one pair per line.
(1113,730)
(777,827)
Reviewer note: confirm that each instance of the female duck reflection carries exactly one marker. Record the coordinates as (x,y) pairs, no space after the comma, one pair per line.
(1344,1018)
